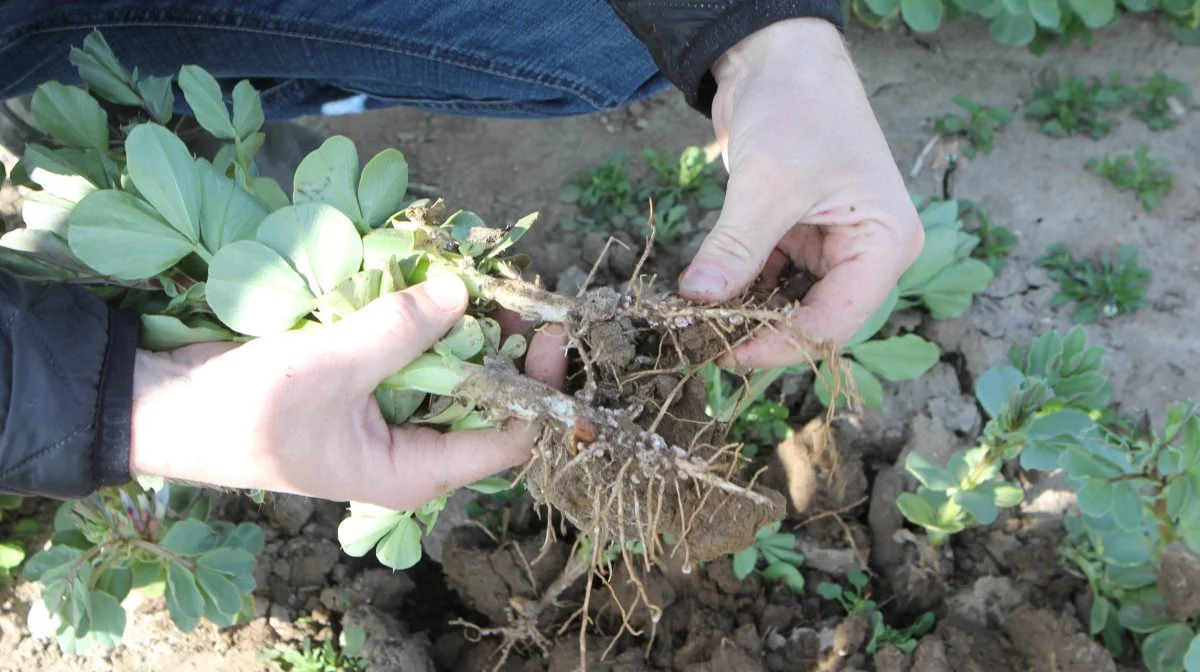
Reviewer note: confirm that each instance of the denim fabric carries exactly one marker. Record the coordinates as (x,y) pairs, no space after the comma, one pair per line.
(506,58)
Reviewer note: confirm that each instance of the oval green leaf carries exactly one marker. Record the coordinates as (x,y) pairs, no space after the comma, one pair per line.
(329,174)
(1095,13)
(165,174)
(228,213)
(247,109)
(382,187)
(1047,13)
(319,242)
(203,95)
(254,291)
(401,548)
(901,358)
(1013,29)
(70,115)
(923,16)
(119,235)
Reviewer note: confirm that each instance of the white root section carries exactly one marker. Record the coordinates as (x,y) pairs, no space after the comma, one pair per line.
(528,301)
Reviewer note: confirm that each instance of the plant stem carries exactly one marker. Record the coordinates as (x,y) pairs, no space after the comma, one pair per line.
(161,552)
(203,253)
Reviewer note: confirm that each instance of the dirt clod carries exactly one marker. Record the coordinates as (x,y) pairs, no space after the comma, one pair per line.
(1049,644)
(1179,580)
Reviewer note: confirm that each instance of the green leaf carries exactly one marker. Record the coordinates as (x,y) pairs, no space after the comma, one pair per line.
(1101,610)
(744,562)
(916,509)
(224,595)
(165,332)
(829,591)
(1095,498)
(319,242)
(876,321)
(69,114)
(247,109)
(936,255)
(1095,13)
(949,293)
(203,95)
(465,339)
(490,485)
(979,504)
(270,194)
(69,174)
(1165,649)
(513,235)
(1143,617)
(329,175)
(1124,548)
(12,554)
(382,187)
(994,386)
(233,561)
(1015,29)
(183,593)
(401,548)
(116,581)
(350,296)
(1007,494)
(365,526)
(247,537)
(159,97)
(1066,422)
(1191,658)
(43,211)
(1047,13)
(227,212)
(923,16)
(119,235)
(788,574)
(165,175)
(107,619)
(1127,506)
(900,358)
(188,537)
(101,72)
(254,291)
(930,475)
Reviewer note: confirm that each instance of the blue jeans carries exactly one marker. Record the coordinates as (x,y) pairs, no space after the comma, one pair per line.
(504,58)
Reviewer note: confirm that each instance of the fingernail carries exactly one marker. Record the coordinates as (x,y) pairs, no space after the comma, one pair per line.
(447,292)
(703,280)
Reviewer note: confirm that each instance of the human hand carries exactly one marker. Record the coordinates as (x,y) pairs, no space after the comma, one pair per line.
(811,181)
(295,412)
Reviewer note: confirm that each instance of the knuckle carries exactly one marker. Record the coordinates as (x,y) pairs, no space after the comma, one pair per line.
(725,244)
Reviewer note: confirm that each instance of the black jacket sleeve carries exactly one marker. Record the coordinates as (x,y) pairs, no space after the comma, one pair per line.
(686,37)
(66,389)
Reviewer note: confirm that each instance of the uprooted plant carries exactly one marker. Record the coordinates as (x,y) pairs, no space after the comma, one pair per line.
(209,250)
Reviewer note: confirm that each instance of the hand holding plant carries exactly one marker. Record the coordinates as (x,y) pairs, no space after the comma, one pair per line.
(811,182)
(295,412)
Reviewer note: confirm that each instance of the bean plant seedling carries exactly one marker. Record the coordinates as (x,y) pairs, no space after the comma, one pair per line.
(1100,287)
(979,126)
(1148,177)
(327,657)
(1077,106)
(761,427)
(1160,102)
(855,601)
(208,250)
(773,555)
(995,242)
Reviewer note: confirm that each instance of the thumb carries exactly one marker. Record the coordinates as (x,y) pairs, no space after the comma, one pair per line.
(752,223)
(394,329)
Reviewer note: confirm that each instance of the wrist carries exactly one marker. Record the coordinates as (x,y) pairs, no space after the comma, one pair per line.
(806,44)
(153,378)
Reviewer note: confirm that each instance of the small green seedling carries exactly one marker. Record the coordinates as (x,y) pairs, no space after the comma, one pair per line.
(978,127)
(690,175)
(1101,287)
(995,242)
(776,551)
(605,194)
(856,602)
(1077,106)
(1149,177)
(1160,102)
(324,658)
(761,427)
(13,549)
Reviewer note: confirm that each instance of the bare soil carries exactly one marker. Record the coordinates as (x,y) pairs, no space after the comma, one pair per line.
(1003,601)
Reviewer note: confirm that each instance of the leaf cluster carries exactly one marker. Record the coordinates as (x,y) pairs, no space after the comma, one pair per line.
(773,555)
(761,427)
(996,242)
(608,197)
(327,657)
(855,601)
(1101,287)
(1077,106)
(979,126)
(1027,23)
(160,542)
(492,510)
(1150,178)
